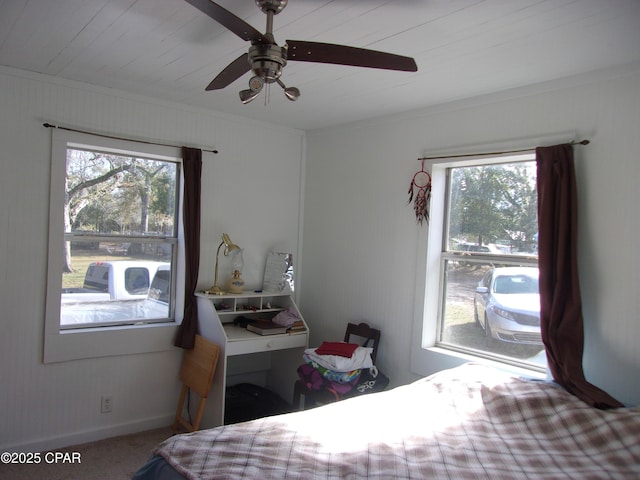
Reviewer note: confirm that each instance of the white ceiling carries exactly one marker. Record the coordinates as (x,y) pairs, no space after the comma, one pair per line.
(170,50)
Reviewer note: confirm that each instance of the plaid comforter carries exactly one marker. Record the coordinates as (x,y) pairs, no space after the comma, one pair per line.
(470,422)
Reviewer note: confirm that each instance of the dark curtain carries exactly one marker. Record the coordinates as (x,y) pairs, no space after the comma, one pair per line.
(561,318)
(192,168)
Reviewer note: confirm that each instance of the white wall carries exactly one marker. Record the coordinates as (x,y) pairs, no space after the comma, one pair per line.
(361,237)
(251,190)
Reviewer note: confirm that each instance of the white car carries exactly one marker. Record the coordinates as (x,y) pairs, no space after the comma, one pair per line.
(156,305)
(507,305)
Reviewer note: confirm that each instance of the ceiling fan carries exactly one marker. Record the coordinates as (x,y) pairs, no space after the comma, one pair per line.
(266,59)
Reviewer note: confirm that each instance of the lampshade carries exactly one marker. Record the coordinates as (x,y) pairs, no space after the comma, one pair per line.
(237,261)
(247,96)
(229,246)
(292,93)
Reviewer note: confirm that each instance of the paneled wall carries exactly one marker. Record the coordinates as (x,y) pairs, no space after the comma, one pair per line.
(362,241)
(251,190)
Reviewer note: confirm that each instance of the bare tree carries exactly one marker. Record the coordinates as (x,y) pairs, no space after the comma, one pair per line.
(121,188)
(81,188)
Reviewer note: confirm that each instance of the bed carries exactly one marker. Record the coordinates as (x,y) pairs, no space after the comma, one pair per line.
(470,422)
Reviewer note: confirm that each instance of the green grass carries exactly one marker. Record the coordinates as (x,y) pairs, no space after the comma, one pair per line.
(458,314)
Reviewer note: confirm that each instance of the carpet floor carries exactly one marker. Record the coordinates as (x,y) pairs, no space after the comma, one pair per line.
(115,458)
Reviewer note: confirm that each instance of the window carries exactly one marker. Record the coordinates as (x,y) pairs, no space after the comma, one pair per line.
(114,247)
(482,274)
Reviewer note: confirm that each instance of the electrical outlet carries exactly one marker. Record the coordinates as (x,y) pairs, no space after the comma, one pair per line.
(106,404)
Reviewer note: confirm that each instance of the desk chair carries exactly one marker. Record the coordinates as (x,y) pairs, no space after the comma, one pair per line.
(370,337)
(198,367)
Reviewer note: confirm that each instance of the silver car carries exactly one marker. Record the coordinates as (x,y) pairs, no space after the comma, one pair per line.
(507,305)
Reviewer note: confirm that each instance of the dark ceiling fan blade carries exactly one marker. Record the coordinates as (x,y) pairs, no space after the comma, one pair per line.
(229,20)
(342,55)
(231,73)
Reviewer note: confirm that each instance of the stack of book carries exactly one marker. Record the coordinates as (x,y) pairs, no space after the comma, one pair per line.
(297,327)
(266,328)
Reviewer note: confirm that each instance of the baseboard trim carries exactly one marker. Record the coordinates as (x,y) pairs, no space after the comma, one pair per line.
(77,438)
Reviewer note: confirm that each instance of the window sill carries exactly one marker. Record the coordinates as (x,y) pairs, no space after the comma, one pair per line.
(79,344)
(462,357)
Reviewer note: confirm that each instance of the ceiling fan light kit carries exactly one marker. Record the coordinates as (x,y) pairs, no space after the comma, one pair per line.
(267,60)
(247,96)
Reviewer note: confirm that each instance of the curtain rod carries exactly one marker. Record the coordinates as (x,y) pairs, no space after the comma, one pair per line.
(581,142)
(48,125)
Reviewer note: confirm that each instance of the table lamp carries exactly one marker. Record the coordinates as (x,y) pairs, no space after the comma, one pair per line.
(229,247)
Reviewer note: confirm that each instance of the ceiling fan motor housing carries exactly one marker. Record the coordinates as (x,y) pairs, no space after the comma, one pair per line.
(274,6)
(267,61)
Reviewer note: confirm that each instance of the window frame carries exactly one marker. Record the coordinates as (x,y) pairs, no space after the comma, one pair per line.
(427,351)
(79,343)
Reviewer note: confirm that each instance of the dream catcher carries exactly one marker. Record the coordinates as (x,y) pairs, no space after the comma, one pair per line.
(422,182)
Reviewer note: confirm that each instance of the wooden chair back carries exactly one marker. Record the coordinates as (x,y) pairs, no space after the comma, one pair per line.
(369,337)
(198,367)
